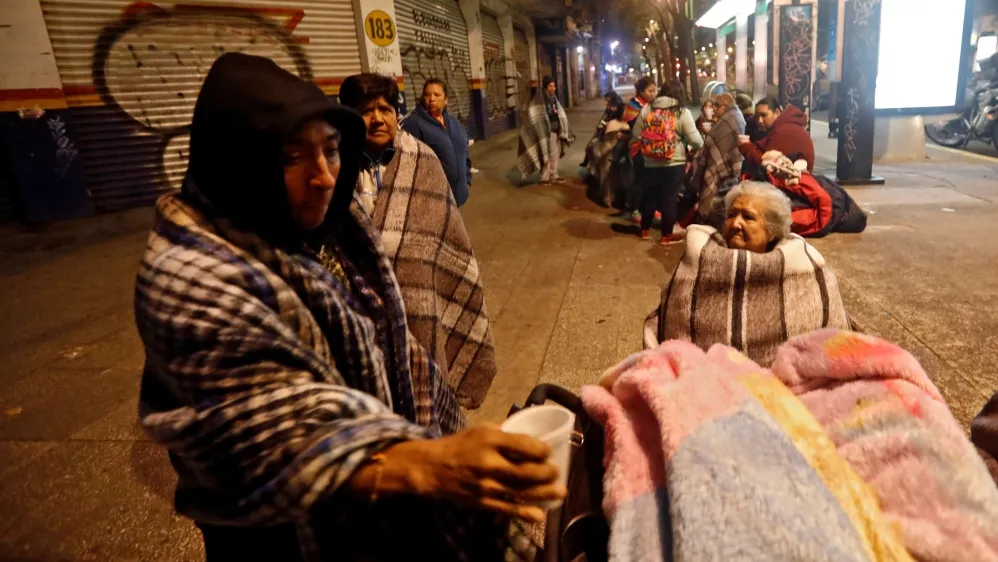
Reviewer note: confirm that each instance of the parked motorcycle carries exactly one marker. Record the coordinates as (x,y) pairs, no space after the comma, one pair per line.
(979,121)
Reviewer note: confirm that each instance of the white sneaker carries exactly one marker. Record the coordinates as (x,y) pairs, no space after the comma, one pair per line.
(471,142)
(474,170)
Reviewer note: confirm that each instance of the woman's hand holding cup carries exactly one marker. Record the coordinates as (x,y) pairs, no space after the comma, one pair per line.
(482,468)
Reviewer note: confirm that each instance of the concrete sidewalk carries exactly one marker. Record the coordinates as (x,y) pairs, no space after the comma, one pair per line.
(567,296)
(923,274)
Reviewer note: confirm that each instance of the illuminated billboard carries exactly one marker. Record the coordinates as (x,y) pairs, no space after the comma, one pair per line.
(924,56)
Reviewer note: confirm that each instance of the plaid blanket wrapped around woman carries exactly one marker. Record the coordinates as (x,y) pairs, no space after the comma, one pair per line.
(608,165)
(271,376)
(752,302)
(716,168)
(535,136)
(844,451)
(425,240)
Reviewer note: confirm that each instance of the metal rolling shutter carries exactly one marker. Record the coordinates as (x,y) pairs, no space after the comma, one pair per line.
(433,37)
(521,52)
(7,211)
(132,79)
(495,75)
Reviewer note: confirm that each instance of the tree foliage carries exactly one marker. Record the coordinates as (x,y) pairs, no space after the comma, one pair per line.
(669,26)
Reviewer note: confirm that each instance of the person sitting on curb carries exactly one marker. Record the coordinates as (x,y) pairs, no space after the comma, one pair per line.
(752,285)
(820,205)
(442,132)
(786,131)
(752,129)
(614,108)
(716,167)
(302,417)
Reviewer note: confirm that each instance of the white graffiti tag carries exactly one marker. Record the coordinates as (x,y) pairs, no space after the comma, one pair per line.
(65,152)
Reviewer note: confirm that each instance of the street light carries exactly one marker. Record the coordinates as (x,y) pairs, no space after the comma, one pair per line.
(613,46)
(579,49)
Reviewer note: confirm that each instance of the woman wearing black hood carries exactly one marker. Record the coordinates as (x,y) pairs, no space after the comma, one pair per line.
(300,414)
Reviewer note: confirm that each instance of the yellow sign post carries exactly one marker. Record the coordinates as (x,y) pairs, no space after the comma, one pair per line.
(380,28)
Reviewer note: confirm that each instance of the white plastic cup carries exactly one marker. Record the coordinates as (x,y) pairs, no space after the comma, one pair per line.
(553,425)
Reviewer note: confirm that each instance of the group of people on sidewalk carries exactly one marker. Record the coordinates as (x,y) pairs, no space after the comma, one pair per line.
(652,160)
(314,323)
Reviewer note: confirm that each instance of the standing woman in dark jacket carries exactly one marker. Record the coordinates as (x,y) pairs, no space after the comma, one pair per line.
(435,126)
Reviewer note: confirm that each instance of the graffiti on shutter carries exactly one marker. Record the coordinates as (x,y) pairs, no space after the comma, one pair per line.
(132,97)
(497,89)
(521,52)
(433,38)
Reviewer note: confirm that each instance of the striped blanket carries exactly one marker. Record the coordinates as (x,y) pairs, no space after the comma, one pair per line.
(844,451)
(752,302)
(716,168)
(535,137)
(425,240)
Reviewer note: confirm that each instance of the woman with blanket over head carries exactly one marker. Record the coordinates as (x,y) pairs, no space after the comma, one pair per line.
(716,168)
(405,191)
(751,286)
(545,137)
(304,420)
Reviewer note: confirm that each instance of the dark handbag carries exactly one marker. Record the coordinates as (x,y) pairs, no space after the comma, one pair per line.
(578,531)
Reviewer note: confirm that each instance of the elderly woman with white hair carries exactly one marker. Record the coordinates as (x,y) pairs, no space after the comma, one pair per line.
(756,217)
(753,286)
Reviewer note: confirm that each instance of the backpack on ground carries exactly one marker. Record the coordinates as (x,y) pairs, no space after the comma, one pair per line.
(659,136)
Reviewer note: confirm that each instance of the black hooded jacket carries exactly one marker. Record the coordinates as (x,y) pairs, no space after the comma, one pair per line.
(248,107)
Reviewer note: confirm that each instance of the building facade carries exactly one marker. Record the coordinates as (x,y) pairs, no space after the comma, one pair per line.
(96,96)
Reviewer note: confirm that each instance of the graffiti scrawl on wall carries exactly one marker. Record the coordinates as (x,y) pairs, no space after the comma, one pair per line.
(433,47)
(496,88)
(796,38)
(131,73)
(149,67)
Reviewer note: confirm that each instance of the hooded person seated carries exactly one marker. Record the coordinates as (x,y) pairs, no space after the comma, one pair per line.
(607,161)
(785,130)
(303,418)
(820,206)
(404,189)
(716,168)
(751,286)
(752,129)
(614,109)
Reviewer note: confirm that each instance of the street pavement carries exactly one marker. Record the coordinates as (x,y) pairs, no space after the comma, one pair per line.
(567,295)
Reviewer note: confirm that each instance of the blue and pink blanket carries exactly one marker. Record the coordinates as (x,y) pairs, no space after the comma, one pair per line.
(843,450)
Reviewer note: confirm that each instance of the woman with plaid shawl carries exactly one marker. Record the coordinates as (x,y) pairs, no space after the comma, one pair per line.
(545,137)
(303,419)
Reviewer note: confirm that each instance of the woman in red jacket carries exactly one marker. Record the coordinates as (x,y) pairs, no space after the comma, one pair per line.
(786,132)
